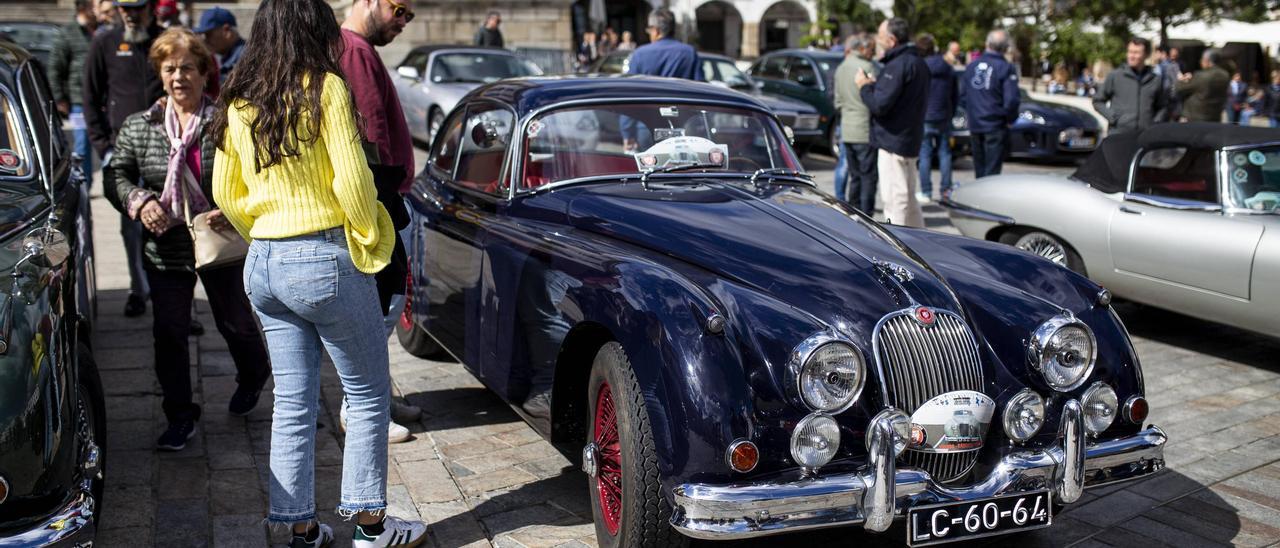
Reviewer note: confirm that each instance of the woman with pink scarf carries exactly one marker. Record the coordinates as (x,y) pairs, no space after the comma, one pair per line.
(163,159)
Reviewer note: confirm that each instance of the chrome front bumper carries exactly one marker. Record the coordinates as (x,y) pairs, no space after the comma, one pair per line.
(73,525)
(869,498)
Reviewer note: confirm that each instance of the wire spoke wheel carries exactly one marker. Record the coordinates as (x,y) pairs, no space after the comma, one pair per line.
(1044,245)
(609,475)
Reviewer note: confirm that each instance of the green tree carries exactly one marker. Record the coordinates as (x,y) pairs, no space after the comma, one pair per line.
(966,21)
(857,12)
(1117,15)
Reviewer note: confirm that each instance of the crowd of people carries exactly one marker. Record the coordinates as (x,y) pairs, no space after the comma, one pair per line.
(302,160)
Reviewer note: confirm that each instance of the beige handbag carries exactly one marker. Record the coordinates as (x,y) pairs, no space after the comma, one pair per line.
(212,248)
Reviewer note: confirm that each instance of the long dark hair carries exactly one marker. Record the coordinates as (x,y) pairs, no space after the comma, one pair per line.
(294,44)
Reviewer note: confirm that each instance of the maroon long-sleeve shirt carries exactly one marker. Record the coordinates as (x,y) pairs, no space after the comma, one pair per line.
(378,104)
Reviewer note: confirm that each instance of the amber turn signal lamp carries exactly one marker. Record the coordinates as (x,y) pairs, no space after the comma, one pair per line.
(743,456)
(1135,410)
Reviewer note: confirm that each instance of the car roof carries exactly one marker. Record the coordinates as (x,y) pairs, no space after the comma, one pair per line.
(12,56)
(1107,169)
(532,93)
(828,55)
(1205,135)
(454,48)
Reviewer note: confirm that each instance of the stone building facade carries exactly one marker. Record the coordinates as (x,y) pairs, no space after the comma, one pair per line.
(739,28)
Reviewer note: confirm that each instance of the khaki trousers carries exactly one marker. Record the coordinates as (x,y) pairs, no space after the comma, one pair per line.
(899,178)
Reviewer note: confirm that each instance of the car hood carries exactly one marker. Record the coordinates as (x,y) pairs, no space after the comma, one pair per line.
(447,94)
(788,241)
(1061,114)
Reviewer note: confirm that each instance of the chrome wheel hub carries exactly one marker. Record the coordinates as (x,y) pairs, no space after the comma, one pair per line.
(589,464)
(1044,246)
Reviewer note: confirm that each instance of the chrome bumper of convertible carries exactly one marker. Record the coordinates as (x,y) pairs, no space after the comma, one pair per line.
(73,525)
(868,497)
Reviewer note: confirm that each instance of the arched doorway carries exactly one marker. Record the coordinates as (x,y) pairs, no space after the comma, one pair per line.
(782,26)
(719,28)
(620,15)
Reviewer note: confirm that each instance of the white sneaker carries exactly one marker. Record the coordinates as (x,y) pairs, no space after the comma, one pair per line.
(395,432)
(923,198)
(396,532)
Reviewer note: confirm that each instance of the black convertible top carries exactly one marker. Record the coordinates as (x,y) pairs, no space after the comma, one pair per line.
(1107,169)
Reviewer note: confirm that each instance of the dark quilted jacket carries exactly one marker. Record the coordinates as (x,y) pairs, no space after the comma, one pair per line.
(141,160)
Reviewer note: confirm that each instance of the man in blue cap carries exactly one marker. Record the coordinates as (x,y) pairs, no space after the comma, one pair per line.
(218,26)
(118,81)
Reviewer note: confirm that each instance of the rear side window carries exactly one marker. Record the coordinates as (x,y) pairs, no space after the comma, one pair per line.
(444,153)
(802,72)
(774,67)
(1181,173)
(486,136)
(15,161)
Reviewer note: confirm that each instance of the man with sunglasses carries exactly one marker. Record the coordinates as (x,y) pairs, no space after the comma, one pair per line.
(370,24)
(119,81)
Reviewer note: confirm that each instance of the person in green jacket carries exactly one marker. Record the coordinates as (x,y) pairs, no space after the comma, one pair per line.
(1204,94)
(66,68)
(855,125)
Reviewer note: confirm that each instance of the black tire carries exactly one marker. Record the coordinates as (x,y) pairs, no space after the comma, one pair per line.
(91,415)
(413,338)
(643,515)
(435,121)
(1046,245)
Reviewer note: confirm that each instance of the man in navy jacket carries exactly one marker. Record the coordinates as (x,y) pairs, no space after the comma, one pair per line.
(662,56)
(894,99)
(990,96)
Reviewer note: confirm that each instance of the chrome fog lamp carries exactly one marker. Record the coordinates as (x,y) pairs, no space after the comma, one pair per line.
(1023,415)
(1100,406)
(1063,350)
(831,377)
(815,440)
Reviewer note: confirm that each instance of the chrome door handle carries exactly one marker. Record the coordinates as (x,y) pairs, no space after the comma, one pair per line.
(1129,210)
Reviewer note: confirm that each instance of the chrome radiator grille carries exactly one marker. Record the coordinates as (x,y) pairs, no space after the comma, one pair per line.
(918,361)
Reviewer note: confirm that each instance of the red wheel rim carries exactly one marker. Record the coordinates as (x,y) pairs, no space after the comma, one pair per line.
(608,460)
(406,315)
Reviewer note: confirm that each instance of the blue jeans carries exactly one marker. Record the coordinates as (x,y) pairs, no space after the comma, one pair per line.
(863,175)
(83,146)
(310,298)
(842,168)
(988,152)
(936,135)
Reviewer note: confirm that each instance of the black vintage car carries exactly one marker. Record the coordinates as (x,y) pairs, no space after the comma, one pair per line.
(52,416)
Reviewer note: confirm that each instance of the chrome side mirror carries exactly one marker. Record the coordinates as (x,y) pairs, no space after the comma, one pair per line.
(45,247)
(409,72)
(791,134)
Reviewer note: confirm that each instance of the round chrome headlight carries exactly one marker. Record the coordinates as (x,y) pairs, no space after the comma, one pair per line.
(1023,415)
(1064,351)
(831,377)
(815,440)
(1100,406)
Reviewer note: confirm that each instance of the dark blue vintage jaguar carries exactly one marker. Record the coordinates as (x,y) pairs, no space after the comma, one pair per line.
(640,268)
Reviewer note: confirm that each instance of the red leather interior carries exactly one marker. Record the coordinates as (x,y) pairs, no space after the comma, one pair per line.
(571,165)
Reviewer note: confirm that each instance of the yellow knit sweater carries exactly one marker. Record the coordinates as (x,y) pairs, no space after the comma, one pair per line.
(327,185)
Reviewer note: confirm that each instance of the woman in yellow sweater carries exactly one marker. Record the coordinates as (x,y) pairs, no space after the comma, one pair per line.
(292,177)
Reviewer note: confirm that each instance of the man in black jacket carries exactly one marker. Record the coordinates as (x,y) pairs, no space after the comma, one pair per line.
(895,100)
(989,92)
(119,81)
(1134,96)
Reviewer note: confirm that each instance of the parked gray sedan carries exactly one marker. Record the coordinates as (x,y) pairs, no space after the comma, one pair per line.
(431,79)
(1181,216)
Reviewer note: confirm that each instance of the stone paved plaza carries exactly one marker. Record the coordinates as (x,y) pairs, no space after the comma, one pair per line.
(482,477)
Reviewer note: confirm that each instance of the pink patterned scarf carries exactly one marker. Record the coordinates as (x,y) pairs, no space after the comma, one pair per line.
(179,180)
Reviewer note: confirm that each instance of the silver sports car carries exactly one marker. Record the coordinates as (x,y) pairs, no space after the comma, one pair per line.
(432,79)
(1185,217)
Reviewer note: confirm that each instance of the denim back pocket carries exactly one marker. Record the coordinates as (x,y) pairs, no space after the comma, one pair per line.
(313,280)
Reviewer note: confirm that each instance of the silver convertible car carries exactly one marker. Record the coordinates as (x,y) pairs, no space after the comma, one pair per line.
(1184,217)
(431,79)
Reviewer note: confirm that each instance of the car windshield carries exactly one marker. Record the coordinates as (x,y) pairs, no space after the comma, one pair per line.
(480,68)
(15,162)
(723,71)
(627,139)
(1255,178)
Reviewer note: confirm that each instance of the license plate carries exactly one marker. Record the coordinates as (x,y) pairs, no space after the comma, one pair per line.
(953,521)
(1083,142)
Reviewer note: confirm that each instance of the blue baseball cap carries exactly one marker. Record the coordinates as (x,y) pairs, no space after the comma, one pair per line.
(213,18)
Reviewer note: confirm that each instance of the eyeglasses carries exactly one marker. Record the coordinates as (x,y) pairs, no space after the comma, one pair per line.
(401,10)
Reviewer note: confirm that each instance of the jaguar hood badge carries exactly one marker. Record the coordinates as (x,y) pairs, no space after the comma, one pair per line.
(894,270)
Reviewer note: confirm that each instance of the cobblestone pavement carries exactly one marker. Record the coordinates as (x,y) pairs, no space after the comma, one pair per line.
(482,477)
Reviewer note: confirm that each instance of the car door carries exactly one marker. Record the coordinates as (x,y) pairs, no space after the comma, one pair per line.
(805,82)
(771,73)
(464,191)
(1169,238)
